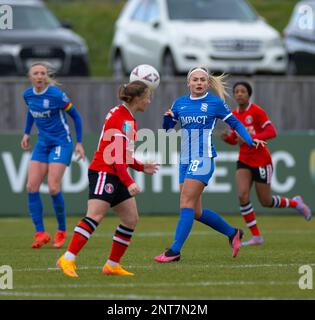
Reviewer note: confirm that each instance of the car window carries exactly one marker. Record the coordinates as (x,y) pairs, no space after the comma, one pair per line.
(139,12)
(153,11)
(31,18)
(210,10)
(146,11)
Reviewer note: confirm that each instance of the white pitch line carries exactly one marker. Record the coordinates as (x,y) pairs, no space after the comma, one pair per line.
(154,234)
(90,296)
(162,285)
(47,295)
(215,266)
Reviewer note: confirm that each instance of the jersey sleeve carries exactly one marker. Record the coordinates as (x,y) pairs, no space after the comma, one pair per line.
(64,101)
(169,122)
(262,118)
(174,109)
(223,111)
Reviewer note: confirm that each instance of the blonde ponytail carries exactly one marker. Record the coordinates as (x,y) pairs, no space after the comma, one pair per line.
(219,85)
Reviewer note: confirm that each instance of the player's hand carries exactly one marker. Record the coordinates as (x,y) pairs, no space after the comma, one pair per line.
(225,134)
(25,142)
(151,168)
(79,152)
(134,189)
(169,113)
(259,143)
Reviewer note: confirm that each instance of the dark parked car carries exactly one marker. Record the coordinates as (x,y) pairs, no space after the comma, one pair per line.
(300,39)
(38,35)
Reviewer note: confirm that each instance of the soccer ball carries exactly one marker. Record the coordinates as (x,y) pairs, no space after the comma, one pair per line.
(147,74)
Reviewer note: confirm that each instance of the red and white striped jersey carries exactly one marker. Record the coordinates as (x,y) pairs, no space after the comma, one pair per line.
(115,149)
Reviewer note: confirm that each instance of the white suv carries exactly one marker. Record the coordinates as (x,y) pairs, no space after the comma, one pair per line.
(175,35)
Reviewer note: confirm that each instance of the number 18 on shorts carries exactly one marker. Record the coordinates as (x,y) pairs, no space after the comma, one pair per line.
(199,169)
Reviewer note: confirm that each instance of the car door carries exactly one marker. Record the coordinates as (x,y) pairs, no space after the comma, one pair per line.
(144,44)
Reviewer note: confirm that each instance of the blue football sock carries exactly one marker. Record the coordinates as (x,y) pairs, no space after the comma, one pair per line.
(216,222)
(36,210)
(183,228)
(59,206)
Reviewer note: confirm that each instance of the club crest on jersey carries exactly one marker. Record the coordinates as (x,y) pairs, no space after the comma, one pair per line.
(127,126)
(249,120)
(65,98)
(46,103)
(204,107)
(109,188)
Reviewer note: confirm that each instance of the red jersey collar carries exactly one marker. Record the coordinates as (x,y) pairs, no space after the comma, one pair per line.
(128,110)
(248,107)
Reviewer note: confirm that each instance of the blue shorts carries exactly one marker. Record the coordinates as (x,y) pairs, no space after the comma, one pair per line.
(53,154)
(200,169)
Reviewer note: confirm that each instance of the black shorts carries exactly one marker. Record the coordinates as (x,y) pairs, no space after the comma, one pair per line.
(107,187)
(259,174)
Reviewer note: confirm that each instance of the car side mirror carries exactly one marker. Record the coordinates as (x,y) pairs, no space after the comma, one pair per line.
(155,24)
(66,25)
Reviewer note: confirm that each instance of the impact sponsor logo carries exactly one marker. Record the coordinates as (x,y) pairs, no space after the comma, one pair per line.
(37,114)
(193,119)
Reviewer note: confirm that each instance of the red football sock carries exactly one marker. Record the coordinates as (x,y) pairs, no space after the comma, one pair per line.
(81,234)
(121,241)
(283,202)
(249,216)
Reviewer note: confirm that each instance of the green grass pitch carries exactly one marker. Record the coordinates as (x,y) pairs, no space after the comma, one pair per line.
(206,270)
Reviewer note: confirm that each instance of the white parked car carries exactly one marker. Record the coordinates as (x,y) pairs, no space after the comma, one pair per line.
(175,35)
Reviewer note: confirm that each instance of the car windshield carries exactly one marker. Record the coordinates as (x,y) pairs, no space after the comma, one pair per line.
(31,18)
(210,10)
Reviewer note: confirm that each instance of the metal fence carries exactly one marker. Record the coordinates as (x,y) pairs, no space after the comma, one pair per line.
(288,101)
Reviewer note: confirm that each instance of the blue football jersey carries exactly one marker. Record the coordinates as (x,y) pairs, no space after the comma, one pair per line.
(198,117)
(48,110)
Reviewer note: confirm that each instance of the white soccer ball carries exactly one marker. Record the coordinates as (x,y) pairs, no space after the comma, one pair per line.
(147,74)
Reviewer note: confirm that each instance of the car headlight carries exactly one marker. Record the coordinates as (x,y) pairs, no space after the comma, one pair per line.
(12,49)
(276,42)
(188,41)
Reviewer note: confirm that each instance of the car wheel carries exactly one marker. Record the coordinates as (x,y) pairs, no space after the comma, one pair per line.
(168,66)
(292,69)
(119,71)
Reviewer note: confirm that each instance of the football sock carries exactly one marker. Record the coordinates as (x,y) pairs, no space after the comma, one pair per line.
(70,256)
(184,225)
(121,241)
(36,210)
(282,202)
(81,235)
(249,216)
(59,206)
(216,222)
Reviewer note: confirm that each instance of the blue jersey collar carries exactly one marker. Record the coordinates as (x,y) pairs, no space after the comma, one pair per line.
(198,98)
(39,93)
